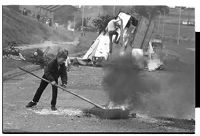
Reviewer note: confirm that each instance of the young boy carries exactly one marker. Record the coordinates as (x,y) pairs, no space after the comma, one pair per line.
(55,68)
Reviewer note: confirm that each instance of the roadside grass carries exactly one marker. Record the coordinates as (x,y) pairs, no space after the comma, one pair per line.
(171,25)
(171,30)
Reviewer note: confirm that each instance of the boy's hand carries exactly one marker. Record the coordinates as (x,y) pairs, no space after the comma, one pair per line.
(53,82)
(64,85)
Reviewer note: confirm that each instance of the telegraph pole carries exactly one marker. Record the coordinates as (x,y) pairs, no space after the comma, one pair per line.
(163,29)
(159,24)
(82,20)
(179,28)
(74,22)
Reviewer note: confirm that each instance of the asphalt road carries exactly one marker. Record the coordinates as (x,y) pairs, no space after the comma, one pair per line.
(86,81)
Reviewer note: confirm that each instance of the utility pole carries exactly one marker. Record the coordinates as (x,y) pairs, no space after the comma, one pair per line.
(82,21)
(74,22)
(145,35)
(163,29)
(159,23)
(179,27)
(188,16)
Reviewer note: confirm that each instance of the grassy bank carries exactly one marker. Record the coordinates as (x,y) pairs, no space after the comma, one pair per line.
(27,30)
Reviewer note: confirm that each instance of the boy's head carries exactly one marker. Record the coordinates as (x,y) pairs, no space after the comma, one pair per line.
(62,56)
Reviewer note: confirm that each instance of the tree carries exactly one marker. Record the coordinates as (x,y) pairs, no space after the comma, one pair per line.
(101,22)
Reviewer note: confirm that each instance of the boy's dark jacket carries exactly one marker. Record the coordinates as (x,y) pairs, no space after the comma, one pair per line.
(52,73)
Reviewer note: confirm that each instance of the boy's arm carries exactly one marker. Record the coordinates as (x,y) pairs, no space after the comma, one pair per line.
(63,75)
(106,29)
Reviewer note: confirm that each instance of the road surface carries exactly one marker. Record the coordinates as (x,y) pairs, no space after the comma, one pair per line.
(86,81)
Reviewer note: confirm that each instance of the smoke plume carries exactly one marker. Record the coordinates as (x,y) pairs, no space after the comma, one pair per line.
(161,93)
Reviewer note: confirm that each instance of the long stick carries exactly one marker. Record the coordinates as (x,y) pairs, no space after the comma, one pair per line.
(64,89)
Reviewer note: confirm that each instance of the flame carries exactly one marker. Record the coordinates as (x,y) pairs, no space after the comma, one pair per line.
(111,105)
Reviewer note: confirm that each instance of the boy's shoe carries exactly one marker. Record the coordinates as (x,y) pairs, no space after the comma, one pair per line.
(53,108)
(31,104)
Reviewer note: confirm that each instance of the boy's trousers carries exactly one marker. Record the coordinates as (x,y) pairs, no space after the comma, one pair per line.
(41,88)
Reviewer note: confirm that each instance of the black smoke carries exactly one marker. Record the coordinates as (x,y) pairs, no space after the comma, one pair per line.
(161,93)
